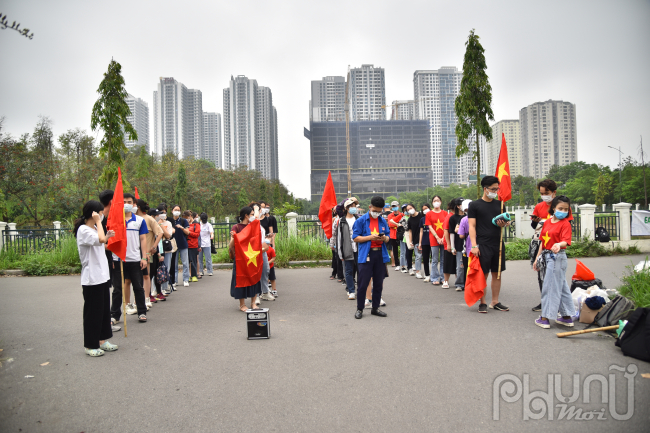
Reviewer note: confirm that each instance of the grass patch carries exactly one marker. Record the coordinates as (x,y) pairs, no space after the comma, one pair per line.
(518,249)
(64,259)
(636,286)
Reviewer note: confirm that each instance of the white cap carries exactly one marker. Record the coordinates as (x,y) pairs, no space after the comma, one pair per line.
(350,201)
(465,204)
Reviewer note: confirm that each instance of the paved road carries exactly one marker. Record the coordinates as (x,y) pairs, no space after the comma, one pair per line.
(429,366)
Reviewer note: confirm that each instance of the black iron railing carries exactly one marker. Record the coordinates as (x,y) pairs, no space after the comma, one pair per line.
(609,222)
(28,241)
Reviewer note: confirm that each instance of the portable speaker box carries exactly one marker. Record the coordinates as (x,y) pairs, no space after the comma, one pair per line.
(258,324)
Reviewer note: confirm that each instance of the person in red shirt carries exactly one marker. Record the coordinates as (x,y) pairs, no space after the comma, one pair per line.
(270,253)
(393,220)
(552,261)
(449,261)
(435,220)
(193,244)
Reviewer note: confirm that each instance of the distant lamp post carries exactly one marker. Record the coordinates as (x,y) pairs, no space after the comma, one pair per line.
(620,173)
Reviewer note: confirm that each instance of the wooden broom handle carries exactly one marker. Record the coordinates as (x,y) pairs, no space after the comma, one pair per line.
(585,331)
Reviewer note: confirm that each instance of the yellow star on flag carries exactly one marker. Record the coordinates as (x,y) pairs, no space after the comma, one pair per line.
(502,171)
(438,225)
(374,232)
(251,254)
(546,238)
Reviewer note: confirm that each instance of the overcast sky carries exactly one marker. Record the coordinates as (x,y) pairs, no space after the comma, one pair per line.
(595,54)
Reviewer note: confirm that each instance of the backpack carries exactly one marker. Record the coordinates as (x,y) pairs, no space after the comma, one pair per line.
(162,276)
(400,233)
(602,235)
(634,340)
(620,308)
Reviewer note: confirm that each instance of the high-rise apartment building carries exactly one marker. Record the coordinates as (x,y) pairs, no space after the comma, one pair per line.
(250,128)
(178,119)
(367,93)
(512,133)
(435,96)
(403,110)
(327,102)
(139,119)
(548,136)
(212,148)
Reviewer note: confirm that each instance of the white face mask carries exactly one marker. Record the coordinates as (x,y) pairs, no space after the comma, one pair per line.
(265,210)
(436,204)
(411,211)
(101,217)
(547,198)
(375,214)
(251,218)
(163,217)
(176,213)
(426,211)
(135,209)
(128,208)
(492,195)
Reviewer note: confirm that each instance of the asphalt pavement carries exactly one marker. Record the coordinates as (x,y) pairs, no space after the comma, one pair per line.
(432,365)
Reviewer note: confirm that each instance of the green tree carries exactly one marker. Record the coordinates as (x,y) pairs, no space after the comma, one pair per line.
(217,200)
(602,188)
(276,195)
(109,113)
(262,191)
(563,174)
(242,198)
(181,186)
(473,105)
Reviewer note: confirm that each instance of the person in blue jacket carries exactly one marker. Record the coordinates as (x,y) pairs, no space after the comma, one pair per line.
(371,233)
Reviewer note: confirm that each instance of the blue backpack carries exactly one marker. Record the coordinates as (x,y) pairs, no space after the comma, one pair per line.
(162,276)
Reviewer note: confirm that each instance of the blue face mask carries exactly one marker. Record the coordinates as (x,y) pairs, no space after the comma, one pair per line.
(560,215)
(353,210)
(395,209)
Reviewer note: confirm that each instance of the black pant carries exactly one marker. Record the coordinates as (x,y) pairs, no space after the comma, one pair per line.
(337,266)
(153,268)
(97,314)
(394,244)
(133,273)
(193,257)
(426,258)
(409,258)
(375,269)
(171,270)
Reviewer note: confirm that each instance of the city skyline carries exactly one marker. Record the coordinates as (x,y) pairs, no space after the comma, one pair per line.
(564,65)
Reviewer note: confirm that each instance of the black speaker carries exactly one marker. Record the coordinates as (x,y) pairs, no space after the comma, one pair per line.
(258,323)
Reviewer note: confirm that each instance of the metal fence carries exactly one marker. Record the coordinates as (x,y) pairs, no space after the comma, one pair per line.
(576,227)
(28,241)
(310,229)
(609,222)
(222,234)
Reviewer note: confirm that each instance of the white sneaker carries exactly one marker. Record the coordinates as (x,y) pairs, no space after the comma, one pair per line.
(411,272)
(368,304)
(267,297)
(210,274)
(257,301)
(186,283)
(352,296)
(418,275)
(381,302)
(130,309)
(397,268)
(459,289)
(445,284)
(115,328)
(404,270)
(148,303)
(427,279)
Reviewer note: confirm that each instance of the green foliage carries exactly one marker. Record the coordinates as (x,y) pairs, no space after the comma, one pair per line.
(242,199)
(636,286)
(561,175)
(602,188)
(473,104)
(109,113)
(181,186)
(518,249)
(62,260)
(283,209)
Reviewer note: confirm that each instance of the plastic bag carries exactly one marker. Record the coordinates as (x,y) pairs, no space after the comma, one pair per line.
(582,272)
(579,296)
(597,291)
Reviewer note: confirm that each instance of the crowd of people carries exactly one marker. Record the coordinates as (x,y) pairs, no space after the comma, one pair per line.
(432,242)
(428,242)
(154,247)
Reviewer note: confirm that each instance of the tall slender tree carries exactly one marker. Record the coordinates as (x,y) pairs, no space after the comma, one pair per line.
(181,186)
(474,104)
(109,113)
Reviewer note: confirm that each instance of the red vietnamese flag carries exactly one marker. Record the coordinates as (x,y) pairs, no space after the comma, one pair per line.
(115,222)
(475,281)
(137,196)
(327,202)
(503,172)
(249,261)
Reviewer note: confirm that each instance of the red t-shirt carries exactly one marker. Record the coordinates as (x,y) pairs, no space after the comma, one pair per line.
(541,210)
(437,221)
(270,254)
(395,218)
(552,233)
(374,230)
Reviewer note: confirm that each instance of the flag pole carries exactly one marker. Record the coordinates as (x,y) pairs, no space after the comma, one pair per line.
(123,297)
(500,247)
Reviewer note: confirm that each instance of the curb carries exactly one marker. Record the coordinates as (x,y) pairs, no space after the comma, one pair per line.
(13,272)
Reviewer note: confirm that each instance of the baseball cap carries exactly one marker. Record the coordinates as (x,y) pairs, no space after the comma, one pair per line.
(154,212)
(394,203)
(349,201)
(404,205)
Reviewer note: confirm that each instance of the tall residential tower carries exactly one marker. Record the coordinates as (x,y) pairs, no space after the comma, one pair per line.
(367,93)
(327,102)
(512,132)
(139,119)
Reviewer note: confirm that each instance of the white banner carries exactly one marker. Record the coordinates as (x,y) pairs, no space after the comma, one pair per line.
(640,223)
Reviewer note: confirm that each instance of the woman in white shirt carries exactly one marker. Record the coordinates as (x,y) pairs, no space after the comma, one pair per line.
(95,279)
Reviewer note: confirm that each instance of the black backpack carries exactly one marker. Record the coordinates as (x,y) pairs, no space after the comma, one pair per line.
(634,340)
(620,308)
(602,235)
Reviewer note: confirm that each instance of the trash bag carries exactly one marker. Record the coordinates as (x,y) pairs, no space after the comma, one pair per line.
(579,284)
(583,273)
(602,235)
(634,340)
(620,308)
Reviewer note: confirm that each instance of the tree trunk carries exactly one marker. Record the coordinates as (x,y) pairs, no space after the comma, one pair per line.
(478,169)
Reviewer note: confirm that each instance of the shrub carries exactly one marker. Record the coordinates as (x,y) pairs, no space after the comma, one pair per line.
(636,286)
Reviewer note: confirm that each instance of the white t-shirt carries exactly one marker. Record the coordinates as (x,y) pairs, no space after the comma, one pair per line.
(134,228)
(94,267)
(206,231)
